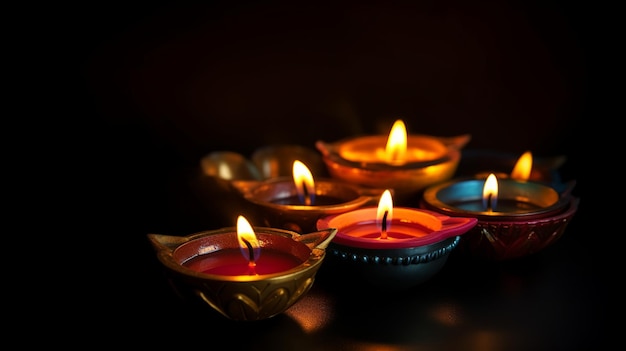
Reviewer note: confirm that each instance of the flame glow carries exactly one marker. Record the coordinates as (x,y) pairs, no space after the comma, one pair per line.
(385,207)
(490,192)
(248,242)
(523,167)
(303,180)
(395,151)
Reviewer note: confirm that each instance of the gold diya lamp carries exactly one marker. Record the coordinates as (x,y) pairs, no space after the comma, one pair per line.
(244,273)
(278,188)
(296,203)
(516,217)
(276,161)
(405,163)
(267,162)
(228,165)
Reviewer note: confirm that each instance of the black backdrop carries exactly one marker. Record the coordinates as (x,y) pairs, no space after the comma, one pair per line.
(163,85)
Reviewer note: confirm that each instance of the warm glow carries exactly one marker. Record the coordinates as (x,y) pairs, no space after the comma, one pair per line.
(385,206)
(522,168)
(395,150)
(309,315)
(247,240)
(490,192)
(303,179)
(224,171)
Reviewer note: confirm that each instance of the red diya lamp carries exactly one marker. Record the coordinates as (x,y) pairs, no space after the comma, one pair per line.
(405,163)
(516,217)
(244,274)
(295,203)
(392,248)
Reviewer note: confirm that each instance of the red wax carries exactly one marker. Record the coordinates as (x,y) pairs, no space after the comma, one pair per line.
(409,228)
(398,230)
(231,262)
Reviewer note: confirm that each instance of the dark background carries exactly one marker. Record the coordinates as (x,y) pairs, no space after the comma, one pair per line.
(161,85)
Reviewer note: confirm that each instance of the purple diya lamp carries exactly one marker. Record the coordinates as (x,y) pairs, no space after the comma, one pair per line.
(391,248)
(245,274)
(405,163)
(296,203)
(516,218)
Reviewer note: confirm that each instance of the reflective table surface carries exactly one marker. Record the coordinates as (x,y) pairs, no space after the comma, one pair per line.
(555,299)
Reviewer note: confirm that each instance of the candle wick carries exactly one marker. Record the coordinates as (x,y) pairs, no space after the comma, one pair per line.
(383,232)
(490,203)
(252,268)
(250,252)
(251,262)
(307,196)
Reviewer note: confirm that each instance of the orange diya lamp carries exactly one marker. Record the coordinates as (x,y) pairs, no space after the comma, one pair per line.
(246,273)
(295,203)
(405,163)
(391,247)
(516,217)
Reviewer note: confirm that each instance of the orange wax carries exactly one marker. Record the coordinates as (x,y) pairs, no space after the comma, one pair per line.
(371,149)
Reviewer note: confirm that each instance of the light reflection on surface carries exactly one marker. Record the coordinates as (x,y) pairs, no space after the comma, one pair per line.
(447,314)
(312,313)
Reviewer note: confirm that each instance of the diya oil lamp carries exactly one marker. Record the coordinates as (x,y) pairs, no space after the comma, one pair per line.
(481,163)
(228,165)
(405,163)
(267,162)
(277,160)
(244,273)
(242,183)
(516,217)
(391,248)
(295,203)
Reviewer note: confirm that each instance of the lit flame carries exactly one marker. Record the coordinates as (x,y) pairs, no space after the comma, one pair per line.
(248,242)
(303,179)
(490,193)
(395,151)
(522,168)
(384,214)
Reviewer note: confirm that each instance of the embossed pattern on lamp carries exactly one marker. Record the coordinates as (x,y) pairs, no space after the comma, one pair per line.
(243,297)
(534,217)
(391,247)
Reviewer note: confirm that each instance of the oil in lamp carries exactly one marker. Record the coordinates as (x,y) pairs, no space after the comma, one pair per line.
(405,163)
(295,203)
